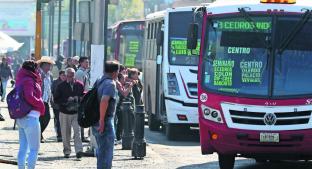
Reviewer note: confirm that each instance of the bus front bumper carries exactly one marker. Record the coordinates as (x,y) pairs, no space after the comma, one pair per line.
(247,142)
(177,110)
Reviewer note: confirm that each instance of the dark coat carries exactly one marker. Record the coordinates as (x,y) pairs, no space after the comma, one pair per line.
(64,91)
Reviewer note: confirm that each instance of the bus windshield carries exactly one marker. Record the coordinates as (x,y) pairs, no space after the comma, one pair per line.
(238,56)
(178,29)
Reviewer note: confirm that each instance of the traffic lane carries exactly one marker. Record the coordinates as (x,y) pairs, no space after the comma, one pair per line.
(185,153)
(184,138)
(251,164)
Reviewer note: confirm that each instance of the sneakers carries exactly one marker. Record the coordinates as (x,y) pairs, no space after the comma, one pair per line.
(117,142)
(1,118)
(85,140)
(79,155)
(59,139)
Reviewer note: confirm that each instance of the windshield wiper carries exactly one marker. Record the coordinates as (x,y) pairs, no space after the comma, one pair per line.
(254,27)
(291,36)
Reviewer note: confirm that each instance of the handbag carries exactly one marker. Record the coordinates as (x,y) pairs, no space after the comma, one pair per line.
(72,106)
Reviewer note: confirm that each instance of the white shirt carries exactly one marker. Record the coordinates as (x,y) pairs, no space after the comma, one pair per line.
(47,83)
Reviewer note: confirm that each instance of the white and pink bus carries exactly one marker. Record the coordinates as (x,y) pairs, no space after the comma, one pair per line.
(255,79)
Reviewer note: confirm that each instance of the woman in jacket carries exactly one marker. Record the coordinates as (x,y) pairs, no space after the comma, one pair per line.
(29,126)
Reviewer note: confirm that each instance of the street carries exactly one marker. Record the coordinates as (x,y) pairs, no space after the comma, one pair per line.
(161,153)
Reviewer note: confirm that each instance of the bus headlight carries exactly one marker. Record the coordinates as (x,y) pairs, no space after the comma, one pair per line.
(211,114)
(173,86)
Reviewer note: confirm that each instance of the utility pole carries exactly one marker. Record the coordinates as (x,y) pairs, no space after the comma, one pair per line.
(59,28)
(52,27)
(38,31)
(74,21)
(70,28)
(105,29)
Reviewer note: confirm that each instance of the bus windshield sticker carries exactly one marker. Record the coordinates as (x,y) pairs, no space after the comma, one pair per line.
(130,60)
(134,46)
(132,52)
(238,50)
(251,71)
(223,72)
(229,90)
(243,25)
(178,47)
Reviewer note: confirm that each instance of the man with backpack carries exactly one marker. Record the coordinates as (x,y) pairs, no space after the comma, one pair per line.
(103,130)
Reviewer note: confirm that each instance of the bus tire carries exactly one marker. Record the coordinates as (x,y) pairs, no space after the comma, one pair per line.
(226,161)
(171,131)
(153,123)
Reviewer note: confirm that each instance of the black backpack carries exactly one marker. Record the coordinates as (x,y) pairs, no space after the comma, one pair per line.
(89,108)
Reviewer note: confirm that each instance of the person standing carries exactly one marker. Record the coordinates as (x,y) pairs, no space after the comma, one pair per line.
(5,74)
(68,94)
(29,126)
(104,129)
(137,88)
(56,107)
(70,64)
(83,76)
(45,64)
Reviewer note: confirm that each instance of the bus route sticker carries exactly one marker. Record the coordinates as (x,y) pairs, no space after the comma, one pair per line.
(203,97)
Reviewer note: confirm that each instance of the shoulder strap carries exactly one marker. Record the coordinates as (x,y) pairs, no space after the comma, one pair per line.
(99,82)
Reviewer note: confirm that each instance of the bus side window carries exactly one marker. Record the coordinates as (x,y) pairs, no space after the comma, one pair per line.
(160,35)
(149,31)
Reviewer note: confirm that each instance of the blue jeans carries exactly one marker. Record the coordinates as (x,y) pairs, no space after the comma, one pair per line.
(105,143)
(29,140)
(4,82)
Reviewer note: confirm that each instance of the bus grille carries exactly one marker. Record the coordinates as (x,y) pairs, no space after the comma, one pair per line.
(282,118)
(192,87)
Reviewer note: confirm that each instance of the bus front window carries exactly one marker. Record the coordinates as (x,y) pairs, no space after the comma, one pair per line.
(234,62)
(178,52)
(293,68)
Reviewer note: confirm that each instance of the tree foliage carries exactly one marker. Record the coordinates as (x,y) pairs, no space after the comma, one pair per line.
(126,9)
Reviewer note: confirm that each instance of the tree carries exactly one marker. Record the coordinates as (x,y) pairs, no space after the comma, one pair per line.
(126,9)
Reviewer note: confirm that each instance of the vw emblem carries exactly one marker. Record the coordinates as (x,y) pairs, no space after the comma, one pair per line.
(270,119)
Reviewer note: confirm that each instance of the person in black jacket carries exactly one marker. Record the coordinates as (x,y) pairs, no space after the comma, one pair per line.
(56,107)
(67,95)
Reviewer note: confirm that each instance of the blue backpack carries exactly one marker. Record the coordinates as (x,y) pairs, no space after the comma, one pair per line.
(17,105)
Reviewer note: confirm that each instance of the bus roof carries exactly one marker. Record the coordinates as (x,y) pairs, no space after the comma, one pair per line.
(163,13)
(115,25)
(231,6)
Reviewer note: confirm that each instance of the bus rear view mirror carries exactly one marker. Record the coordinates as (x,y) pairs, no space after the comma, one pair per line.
(192,36)
(160,37)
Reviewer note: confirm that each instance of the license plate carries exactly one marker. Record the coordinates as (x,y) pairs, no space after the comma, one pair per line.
(269,137)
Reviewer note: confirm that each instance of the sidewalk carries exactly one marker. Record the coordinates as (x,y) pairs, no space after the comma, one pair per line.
(51,152)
